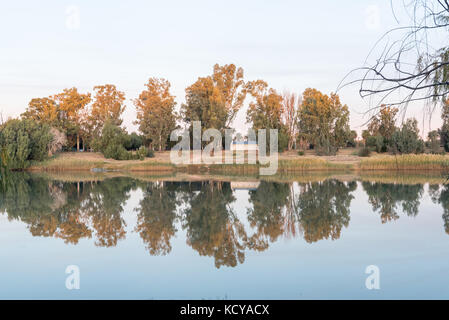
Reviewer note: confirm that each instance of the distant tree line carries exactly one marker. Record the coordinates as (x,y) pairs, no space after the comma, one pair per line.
(382,134)
(93,121)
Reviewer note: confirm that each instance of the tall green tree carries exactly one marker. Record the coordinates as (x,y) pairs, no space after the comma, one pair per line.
(266,111)
(71,107)
(323,121)
(406,139)
(65,111)
(381,128)
(384,123)
(444,131)
(108,105)
(204,103)
(156,112)
(214,100)
(433,141)
(229,81)
(44,110)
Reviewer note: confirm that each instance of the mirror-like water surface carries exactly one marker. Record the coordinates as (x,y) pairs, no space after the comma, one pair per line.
(248,239)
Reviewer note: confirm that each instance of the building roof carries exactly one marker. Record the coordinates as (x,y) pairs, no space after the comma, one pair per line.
(244,142)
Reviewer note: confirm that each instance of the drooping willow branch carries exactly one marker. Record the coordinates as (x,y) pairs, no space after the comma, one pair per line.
(413,67)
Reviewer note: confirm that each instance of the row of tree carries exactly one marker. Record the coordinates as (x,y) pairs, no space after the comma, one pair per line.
(313,118)
(78,115)
(24,141)
(383,135)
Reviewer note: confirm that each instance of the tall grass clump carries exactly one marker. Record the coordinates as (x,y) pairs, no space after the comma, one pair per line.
(310,164)
(67,164)
(142,166)
(284,166)
(406,162)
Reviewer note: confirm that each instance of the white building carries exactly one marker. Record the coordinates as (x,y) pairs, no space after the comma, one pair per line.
(244,146)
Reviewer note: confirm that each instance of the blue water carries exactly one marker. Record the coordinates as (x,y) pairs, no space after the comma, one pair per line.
(411,251)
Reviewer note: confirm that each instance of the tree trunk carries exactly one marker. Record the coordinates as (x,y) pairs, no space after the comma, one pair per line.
(77,142)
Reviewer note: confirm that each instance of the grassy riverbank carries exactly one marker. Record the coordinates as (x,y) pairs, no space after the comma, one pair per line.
(161,163)
(89,161)
(406,162)
(288,163)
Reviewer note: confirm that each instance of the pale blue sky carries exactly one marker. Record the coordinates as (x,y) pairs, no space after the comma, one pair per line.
(290,44)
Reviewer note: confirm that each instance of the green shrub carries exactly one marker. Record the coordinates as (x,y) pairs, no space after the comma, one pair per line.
(112,142)
(444,136)
(133,141)
(282,139)
(377,142)
(150,153)
(117,152)
(142,152)
(110,135)
(364,152)
(406,139)
(24,141)
(300,153)
(351,139)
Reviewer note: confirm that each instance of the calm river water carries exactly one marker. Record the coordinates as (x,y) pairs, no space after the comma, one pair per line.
(309,238)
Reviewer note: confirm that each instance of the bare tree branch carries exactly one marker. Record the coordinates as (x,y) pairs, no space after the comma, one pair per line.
(415,66)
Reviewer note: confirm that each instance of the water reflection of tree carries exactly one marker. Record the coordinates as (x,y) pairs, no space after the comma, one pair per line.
(267,213)
(104,206)
(73,211)
(67,219)
(69,211)
(212,227)
(25,196)
(323,208)
(33,200)
(441,195)
(156,216)
(386,197)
